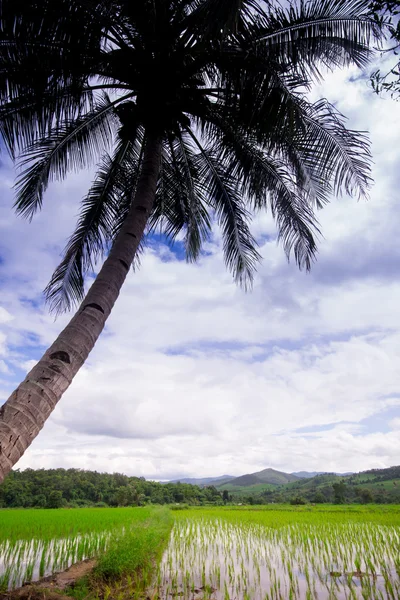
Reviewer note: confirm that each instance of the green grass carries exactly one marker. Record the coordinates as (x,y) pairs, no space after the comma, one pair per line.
(27,524)
(137,548)
(126,568)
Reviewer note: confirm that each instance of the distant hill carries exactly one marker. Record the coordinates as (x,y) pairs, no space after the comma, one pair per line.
(266,476)
(205,480)
(309,474)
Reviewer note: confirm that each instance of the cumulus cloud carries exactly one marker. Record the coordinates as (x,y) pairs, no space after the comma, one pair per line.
(193,376)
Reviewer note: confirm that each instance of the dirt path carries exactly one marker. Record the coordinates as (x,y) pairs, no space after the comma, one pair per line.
(51,588)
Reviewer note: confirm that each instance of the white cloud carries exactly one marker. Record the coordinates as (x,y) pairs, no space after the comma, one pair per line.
(395,424)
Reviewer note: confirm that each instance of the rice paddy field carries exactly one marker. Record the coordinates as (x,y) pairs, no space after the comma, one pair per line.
(224,553)
(37,543)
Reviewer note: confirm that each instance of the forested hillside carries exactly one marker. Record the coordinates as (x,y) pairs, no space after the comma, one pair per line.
(377,485)
(54,488)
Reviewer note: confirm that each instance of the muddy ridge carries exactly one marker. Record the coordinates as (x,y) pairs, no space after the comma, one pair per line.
(53,586)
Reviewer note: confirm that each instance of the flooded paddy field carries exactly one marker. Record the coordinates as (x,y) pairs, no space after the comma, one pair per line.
(37,543)
(224,553)
(214,558)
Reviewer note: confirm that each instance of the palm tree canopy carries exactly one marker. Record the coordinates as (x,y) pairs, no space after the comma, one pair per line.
(221,82)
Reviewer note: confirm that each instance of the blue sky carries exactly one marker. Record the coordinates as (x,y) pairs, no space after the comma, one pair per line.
(194,377)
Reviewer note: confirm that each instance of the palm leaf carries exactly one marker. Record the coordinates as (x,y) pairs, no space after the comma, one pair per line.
(339,154)
(224,197)
(180,205)
(268,181)
(74,145)
(91,237)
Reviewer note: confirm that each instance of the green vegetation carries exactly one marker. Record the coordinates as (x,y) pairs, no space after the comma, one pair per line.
(283,553)
(126,569)
(284,515)
(58,488)
(34,543)
(266,476)
(376,485)
(136,548)
(55,488)
(261,552)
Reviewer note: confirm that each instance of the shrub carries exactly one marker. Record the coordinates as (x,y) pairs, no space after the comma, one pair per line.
(296,500)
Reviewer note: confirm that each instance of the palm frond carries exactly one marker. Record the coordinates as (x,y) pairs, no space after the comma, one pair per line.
(18,116)
(198,227)
(340,155)
(93,235)
(239,246)
(318,32)
(268,181)
(180,205)
(214,19)
(268,101)
(72,146)
(47,48)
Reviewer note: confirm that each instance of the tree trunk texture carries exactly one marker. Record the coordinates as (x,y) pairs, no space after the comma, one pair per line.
(25,412)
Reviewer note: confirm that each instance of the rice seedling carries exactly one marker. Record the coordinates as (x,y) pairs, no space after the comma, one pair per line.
(227,555)
(36,543)
(271,553)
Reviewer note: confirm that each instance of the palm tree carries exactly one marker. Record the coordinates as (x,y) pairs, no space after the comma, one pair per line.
(196,112)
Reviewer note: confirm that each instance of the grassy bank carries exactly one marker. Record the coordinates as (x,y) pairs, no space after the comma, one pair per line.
(128,565)
(136,550)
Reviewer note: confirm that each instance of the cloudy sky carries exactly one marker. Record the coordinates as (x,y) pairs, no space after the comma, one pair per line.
(194,377)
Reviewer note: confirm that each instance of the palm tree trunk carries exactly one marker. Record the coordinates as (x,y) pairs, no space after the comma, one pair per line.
(25,412)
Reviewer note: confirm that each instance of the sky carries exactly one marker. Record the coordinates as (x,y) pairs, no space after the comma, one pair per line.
(195,377)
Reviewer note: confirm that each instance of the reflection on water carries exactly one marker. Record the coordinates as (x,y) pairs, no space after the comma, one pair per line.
(224,561)
(28,560)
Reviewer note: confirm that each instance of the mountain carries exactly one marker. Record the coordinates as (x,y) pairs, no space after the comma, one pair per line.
(269,477)
(205,480)
(266,476)
(378,485)
(307,474)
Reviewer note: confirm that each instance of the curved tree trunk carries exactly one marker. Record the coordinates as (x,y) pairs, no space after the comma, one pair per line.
(25,412)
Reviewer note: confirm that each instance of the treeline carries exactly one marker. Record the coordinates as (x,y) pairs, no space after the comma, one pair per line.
(55,488)
(336,492)
(376,475)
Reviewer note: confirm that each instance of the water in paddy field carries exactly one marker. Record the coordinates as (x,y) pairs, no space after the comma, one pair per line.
(28,560)
(224,561)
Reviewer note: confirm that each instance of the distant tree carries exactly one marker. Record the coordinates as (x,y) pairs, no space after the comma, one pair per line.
(55,499)
(122,496)
(41,501)
(365,495)
(225,496)
(297,500)
(319,498)
(339,489)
